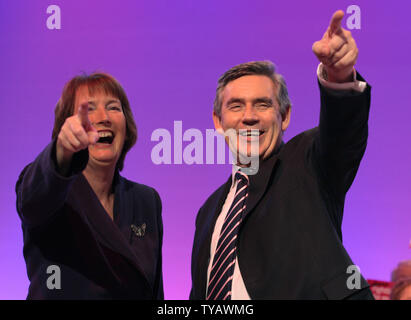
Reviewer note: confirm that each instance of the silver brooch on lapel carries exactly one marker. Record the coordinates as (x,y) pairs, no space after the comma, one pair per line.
(139,231)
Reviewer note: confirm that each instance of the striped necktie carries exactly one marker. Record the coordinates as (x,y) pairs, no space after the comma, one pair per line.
(221,275)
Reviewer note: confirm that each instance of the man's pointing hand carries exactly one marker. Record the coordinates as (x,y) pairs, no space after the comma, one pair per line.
(337,50)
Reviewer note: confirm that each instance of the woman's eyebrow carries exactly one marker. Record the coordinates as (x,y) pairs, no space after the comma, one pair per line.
(112,101)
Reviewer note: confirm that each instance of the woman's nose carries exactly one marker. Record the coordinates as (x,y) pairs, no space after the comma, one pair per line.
(101,116)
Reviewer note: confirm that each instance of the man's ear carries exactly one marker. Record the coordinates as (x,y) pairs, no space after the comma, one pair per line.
(217,122)
(285,118)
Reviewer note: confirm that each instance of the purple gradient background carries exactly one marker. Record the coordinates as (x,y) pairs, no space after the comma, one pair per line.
(168,56)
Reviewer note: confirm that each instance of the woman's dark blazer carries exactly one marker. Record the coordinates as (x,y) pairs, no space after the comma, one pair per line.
(73,249)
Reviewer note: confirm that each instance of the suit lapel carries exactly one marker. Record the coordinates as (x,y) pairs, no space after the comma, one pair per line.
(211,217)
(123,205)
(106,231)
(259,182)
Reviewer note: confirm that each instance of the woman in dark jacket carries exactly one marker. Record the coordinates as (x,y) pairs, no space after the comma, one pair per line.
(88,232)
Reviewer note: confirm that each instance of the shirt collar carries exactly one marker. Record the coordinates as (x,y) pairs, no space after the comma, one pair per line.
(235,167)
(234,170)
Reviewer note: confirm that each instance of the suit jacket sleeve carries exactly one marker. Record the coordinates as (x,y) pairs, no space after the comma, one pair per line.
(195,293)
(342,139)
(41,190)
(192,295)
(158,287)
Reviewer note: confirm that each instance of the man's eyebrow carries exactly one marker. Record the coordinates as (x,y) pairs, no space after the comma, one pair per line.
(263,100)
(254,101)
(235,100)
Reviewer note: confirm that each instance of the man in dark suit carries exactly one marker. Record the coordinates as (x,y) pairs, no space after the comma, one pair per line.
(276,233)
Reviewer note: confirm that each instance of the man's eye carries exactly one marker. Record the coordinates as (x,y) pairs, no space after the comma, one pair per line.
(235,107)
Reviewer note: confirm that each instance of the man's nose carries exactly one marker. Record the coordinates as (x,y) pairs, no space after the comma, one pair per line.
(250,117)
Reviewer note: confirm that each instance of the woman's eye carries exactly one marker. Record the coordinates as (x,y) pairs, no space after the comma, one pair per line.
(116,108)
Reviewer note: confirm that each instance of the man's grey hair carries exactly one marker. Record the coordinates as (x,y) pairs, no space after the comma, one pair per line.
(263,68)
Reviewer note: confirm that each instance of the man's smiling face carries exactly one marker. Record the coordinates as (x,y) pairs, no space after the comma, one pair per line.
(250,107)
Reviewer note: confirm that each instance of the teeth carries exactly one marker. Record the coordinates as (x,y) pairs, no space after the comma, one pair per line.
(105,134)
(252,133)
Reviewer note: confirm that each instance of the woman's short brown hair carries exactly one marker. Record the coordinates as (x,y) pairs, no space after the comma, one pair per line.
(94,82)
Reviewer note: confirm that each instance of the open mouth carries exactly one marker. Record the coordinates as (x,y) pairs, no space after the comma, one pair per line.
(251,133)
(105,137)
